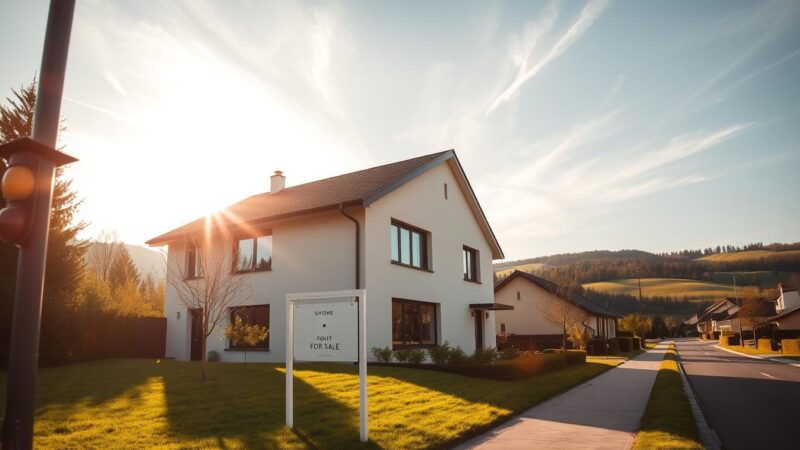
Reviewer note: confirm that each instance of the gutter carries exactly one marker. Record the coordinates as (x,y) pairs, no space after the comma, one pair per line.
(358,244)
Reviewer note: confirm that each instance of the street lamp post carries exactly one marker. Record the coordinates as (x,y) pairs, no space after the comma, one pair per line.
(28,188)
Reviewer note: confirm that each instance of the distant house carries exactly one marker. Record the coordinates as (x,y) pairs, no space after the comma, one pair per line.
(787,308)
(720,316)
(530,295)
(411,233)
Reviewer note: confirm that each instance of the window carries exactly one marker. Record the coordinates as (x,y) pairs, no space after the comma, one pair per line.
(413,323)
(409,245)
(502,328)
(519,296)
(445,191)
(253,254)
(194,266)
(470,263)
(252,315)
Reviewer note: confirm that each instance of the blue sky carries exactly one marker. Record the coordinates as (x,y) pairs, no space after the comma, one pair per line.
(582,125)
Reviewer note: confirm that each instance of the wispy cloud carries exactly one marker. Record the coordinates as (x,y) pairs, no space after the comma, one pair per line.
(590,13)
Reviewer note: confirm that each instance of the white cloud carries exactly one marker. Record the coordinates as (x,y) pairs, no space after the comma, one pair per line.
(590,13)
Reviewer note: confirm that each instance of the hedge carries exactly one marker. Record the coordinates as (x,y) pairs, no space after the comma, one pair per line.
(625,343)
(525,366)
(636,343)
(790,346)
(613,347)
(576,357)
(729,340)
(765,344)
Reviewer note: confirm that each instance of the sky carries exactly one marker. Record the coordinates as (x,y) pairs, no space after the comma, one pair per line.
(581,125)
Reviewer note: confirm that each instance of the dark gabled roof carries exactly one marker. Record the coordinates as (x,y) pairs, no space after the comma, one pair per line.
(360,188)
(582,302)
(722,305)
(785,314)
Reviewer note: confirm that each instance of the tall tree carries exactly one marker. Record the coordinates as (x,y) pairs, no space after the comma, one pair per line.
(64,265)
(102,253)
(122,269)
(755,311)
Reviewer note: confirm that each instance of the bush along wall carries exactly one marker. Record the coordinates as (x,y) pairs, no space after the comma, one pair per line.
(765,344)
(790,346)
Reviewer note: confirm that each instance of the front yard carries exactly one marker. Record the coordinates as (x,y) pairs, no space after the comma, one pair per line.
(143,403)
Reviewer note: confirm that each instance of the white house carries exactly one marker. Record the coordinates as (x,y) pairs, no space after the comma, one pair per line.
(411,233)
(788,299)
(531,296)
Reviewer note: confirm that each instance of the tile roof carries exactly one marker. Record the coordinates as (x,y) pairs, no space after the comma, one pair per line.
(358,188)
(579,300)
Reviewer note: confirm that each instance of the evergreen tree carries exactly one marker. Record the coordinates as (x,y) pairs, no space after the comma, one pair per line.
(64,265)
(123,270)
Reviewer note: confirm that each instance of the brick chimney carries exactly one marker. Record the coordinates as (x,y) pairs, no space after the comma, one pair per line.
(277,182)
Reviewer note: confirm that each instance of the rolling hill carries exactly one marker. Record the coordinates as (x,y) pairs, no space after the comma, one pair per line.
(664,287)
(749,255)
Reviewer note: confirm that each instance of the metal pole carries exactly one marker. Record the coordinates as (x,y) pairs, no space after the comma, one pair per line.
(736,296)
(289,363)
(362,363)
(24,352)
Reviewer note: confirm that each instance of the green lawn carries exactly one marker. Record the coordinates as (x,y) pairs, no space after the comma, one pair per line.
(142,403)
(668,422)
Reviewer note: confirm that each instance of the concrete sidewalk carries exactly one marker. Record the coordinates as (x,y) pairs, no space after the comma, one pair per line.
(603,413)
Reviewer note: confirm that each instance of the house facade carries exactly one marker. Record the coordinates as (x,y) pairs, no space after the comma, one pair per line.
(788,298)
(411,233)
(532,297)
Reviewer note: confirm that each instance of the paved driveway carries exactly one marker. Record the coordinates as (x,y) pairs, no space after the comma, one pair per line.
(750,403)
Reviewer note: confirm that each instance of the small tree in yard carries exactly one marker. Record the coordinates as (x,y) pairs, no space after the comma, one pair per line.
(204,280)
(245,334)
(638,324)
(562,312)
(579,334)
(754,311)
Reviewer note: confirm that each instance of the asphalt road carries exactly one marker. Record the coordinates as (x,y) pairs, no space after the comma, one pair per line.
(750,403)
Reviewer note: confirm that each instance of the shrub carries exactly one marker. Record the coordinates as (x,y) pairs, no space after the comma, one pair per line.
(402,355)
(212,356)
(613,347)
(439,353)
(625,343)
(509,353)
(636,343)
(765,344)
(484,356)
(576,357)
(416,356)
(382,354)
(790,346)
(728,340)
(457,357)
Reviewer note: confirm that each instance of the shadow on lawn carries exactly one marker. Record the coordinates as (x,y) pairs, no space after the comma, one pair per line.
(247,405)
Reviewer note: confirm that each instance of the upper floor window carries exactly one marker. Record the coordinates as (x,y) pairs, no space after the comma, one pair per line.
(194,266)
(253,254)
(409,245)
(470,263)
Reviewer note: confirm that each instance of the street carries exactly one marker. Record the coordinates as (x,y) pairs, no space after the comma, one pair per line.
(750,403)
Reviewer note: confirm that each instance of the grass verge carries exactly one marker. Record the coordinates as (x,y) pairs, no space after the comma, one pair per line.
(668,421)
(144,404)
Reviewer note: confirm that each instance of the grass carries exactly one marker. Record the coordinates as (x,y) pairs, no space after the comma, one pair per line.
(673,287)
(748,255)
(668,421)
(532,267)
(142,403)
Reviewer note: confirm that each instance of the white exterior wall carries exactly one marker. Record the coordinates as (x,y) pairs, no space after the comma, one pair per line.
(310,254)
(527,317)
(452,225)
(317,254)
(788,300)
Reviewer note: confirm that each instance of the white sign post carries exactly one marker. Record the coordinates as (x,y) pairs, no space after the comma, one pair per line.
(327,326)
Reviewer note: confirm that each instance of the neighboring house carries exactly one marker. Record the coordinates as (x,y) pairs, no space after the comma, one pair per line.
(411,233)
(720,316)
(788,299)
(531,296)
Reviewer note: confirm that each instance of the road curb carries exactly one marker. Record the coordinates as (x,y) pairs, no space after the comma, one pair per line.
(763,358)
(708,436)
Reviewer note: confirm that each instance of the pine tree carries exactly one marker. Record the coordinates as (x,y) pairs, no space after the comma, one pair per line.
(123,269)
(64,266)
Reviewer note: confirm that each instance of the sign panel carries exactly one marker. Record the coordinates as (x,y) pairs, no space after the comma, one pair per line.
(326,330)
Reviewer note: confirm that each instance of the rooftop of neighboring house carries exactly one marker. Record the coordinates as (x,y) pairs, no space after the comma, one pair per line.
(582,302)
(360,188)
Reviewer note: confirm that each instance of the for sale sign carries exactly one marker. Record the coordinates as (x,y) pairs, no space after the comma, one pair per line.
(326,330)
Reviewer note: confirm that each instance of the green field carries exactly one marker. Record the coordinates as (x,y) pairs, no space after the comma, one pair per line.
(524,267)
(148,404)
(750,254)
(665,287)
